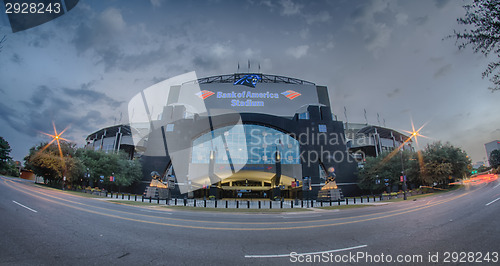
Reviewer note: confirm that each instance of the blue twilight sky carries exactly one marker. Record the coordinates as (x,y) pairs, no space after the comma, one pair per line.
(387,57)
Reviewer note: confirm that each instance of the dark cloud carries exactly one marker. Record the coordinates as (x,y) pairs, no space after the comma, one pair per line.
(421,20)
(90,96)
(442,71)
(393,92)
(205,63)
(110,57)
(16,58)
(42,39)
(10,116)
(41,94)
(441,3)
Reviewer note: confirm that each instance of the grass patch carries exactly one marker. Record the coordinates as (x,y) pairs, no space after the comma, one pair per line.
(190,208)
(266,210)
(437,192)
(81,194)
(345,207)
(135,203)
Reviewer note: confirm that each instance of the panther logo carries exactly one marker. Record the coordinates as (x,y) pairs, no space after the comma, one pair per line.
(248,80)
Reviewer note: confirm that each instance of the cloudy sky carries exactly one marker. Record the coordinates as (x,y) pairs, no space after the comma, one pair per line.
(387,57)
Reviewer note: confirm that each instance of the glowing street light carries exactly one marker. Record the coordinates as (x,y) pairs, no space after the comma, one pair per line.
(57,137)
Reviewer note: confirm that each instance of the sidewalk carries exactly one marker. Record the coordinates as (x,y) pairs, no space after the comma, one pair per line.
(249,203)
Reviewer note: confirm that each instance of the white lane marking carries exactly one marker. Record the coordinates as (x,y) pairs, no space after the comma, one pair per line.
(23,206)
(492,202)
(299,254)
(497,185)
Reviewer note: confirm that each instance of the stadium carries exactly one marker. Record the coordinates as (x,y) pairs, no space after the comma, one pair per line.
(247,135)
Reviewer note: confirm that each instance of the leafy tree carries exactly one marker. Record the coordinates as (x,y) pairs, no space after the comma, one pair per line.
(495,158)
(46,161)
(437,163)
(4,150)
(7,165)
(443,163)
(104,164)
(387,166)
(482,19)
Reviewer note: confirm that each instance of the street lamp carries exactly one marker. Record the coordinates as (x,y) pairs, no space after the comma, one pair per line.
(403,174)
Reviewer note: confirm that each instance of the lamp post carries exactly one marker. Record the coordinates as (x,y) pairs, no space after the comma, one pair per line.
(403,174)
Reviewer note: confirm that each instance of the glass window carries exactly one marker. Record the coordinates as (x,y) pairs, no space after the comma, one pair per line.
(304,116)
(322,128)
(246,144)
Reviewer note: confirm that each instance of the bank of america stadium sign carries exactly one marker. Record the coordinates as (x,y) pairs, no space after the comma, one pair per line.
(247,98)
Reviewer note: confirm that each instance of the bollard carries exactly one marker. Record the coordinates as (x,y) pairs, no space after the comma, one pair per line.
(259,204)
(270,204)
(226,204)
(380,196)
(322,203)
(175,201)
(291,204)
(248,204)
(237,204)
(374,198)
(185,202)
(281,204)
(149,199)
(111,194)
(135,197)
(367,198)
(216,203)
(158,199)
(128,196)
(194,204)
(205,203)
(166,202)
(346,201)
(338,201)
(302,203)
(330,202)
(354,200)
(361,198)
(123,196)
(142,198)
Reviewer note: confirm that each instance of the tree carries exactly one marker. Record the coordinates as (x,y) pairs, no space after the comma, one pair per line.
(482,17)
(7,165)
(443,163)
(46,161)
(105,164)
(4,150)
(495,158)
(387,166)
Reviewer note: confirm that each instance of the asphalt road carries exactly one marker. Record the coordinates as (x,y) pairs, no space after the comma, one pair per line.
(41,226)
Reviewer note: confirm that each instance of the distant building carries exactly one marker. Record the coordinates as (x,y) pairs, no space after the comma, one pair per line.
(478,164)
(491,146)
(112,138)
(369,140)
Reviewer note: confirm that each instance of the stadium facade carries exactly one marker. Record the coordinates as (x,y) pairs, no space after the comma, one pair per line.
(243,135)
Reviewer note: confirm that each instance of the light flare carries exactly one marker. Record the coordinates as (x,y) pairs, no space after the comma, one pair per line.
(414,134)
(55,137)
